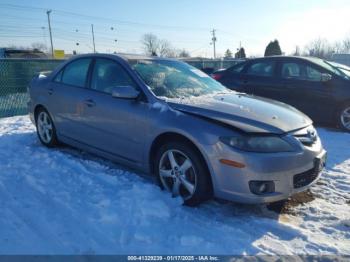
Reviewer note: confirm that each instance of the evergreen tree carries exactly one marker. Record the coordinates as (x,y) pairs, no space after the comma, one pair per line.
(240,53)
(228,53)
(273,48)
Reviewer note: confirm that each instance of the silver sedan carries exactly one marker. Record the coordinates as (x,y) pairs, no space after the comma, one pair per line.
(169,119)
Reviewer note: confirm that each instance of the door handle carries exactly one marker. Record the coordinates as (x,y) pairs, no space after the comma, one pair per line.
(89,103)
(50,90)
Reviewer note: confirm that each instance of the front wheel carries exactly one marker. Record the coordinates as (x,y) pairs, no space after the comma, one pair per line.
(181,171)
(344,117)
(45,128)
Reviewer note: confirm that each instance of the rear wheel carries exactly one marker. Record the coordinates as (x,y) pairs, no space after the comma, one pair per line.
(344,117)
(45,128)
(181,171)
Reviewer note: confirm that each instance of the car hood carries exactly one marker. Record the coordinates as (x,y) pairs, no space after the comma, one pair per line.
(246,112)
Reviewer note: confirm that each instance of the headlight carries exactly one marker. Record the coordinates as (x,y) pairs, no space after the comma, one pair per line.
(263,144)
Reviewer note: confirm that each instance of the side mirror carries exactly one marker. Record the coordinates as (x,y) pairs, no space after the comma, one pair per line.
(125,92)
(326,77)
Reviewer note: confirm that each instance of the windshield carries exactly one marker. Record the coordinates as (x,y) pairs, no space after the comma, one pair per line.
(343,68)
(338,69)
(173,79)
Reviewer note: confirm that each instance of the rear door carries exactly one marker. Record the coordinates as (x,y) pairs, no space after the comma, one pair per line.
(259,78)
(67,95)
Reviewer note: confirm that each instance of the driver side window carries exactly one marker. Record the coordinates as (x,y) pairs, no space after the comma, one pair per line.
(107,74)
(313,74)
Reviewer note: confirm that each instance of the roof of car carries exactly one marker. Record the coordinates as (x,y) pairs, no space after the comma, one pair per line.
(284,57)
(126,57)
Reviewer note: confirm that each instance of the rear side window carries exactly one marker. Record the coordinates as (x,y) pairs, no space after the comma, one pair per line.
(108,74)
(75,73)
(265,68)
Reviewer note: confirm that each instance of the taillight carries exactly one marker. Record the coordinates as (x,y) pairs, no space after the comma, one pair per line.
(216,76)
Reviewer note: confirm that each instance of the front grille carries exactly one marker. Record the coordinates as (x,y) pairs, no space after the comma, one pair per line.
(305,178)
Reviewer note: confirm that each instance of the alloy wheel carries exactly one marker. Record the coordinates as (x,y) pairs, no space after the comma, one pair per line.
(45,127)
(177,174)
(345,118)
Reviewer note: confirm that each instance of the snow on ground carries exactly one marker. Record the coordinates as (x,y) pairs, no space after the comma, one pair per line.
(62,201)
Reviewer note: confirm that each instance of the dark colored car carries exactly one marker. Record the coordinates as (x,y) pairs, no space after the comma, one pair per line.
(208,70)
(21,53)
(319,88)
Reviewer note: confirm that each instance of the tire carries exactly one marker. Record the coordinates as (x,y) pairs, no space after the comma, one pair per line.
(343,117)
(187,177)
(45,128)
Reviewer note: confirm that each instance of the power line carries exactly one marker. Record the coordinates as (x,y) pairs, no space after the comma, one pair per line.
(83,21)
(124,22)
(104,28)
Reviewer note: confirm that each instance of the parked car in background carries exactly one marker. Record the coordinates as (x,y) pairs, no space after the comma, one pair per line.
(208,70)
(21,53)
(167,118)
(319,88)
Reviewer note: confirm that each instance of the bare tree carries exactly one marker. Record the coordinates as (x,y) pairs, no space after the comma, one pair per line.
(338,47)
(342,47)
(319,48)
(155,46)
(346,45)
(39,46)
(165,49)
(150,43)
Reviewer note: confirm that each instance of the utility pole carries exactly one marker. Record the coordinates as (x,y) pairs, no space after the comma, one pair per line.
(115,40)
(213,41)
(93,37)
(48,12)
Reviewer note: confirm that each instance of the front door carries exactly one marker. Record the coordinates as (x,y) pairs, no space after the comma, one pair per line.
(304,89)
(114,125)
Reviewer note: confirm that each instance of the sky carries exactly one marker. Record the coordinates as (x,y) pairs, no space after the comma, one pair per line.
(186,24)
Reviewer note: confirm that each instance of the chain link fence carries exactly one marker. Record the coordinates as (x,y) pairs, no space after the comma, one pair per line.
(15,75)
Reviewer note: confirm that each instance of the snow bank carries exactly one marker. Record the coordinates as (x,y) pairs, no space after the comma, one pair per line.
(62,201)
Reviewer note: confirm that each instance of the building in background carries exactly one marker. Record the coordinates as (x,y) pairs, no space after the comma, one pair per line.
(341,59)
(21,53)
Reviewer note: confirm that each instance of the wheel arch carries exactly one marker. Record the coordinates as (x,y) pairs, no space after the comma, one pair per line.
(161,139)
(338,110)
(36,110)
(344,103)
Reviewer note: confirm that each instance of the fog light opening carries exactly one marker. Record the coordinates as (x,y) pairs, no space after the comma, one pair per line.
(262,187)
